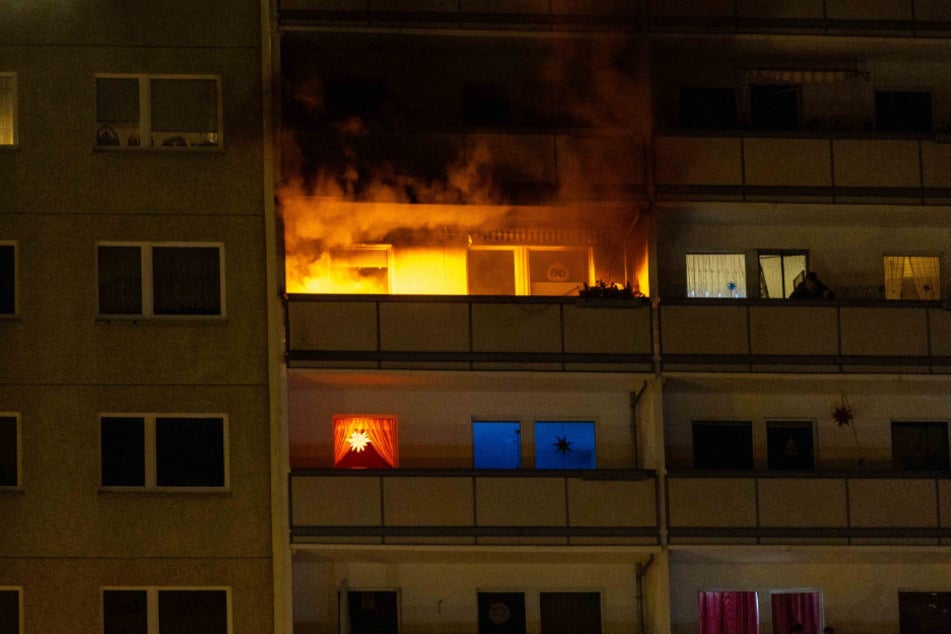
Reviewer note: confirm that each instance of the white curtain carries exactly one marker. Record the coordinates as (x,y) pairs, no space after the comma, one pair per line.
(716,275)
(912,277)
(7,109)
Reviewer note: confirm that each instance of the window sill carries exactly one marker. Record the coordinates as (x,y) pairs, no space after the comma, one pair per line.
(136,491)
(156,319)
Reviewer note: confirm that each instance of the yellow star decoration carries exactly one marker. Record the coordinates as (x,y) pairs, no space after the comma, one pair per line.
(358,441)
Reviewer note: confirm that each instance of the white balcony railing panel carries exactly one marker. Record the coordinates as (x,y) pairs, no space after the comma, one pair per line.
(516,328)
(869,9)
(340,501)
(876,163)
(779,162)
(802,330)
(784,9)
(704,329)
(615,330)
(612,503)
(903,503)
(520,502)
(698,160)
(425,501)
(332,325)
(425,327)
(935,158)
(691,8)
(884,331)
(712,502)
(802,503)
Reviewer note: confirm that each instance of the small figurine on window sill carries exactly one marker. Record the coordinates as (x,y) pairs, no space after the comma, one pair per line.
(106,135)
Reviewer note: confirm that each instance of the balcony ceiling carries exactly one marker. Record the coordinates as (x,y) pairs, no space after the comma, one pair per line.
(396,554)
(809,554)
(903,385)
(807,215)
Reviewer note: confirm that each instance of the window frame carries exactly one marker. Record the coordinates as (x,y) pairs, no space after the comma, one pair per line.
(19,591)
(15,127)
(147,282)
(937,292)
(744,270)
(497,421)
(19,452)
(782,254)
(145,113)
(16,278)
(150,420)
(552,420)
(521,256)
(152,597)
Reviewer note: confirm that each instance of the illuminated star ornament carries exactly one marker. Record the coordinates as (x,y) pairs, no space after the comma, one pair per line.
(358,441)
(731,285)
(562,445)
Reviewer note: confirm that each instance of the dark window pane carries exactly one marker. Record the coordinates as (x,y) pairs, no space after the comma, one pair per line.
(8,452)
(789,445)
(373,612)
(186,280)
(564,445)
(722,445)
(117,100)
(120,281)
(491,272)
(501,613)
(9,611)
(924,612)
(570,612)
(486,105)
(125,612)
(184,105)
(7,279)
(921,446)
(364,98)
(496,445)
(707,108)
(193,612)
(189,452)
(123,451)
(774,107)
(903,111)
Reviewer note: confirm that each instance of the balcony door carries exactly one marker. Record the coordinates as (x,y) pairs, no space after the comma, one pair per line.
(570,612)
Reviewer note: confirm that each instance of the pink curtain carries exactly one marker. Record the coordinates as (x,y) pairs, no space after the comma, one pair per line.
(790,608)
(728,613)
(380,430)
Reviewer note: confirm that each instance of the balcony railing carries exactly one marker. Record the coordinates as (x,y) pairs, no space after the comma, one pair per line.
(785,336)
(468,333)
(909,171)
(474,507)
(834,508)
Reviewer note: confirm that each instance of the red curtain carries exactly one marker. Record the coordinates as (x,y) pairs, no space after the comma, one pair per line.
(380,430)
(728,613)
(790,608)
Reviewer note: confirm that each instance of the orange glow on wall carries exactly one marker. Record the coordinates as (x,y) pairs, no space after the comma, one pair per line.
(365,442)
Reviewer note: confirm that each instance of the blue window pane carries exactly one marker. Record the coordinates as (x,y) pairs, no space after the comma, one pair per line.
(496,445)
(564,445)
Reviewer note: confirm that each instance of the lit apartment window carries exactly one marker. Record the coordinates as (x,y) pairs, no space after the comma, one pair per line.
(501,612)
(365,442)
(143,279)
(789,445)
(903,111)
(370,611)
(8,278)
(727,611)
(570,612)
(11,609)
(497,444)
(912,277)
(564,445)
(9,452)
(716,275)
(722,445)
(152,111)
(780,272)
(920,445)
(166,610)
(158,451)
(8,109)
(520,270)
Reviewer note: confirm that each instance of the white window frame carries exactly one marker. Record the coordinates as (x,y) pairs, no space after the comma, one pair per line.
(16,277)
(148,290)
(151,467)
(145,114)
(19,431)
(937,292)
(745,286)
(19,591)
(16,112)
(522,254)
(152,602)
(332,263)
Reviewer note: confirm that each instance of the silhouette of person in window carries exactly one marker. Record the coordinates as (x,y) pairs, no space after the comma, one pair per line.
(812,288)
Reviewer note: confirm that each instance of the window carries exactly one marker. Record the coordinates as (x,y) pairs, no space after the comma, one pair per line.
(714,275)
(491,271)
(11,610)
(570,612)
(774,107)
(780,272)
(487,105)
(9,451)
(365,442)
(912,277)
(8,275)
(920,446)
(529,270)
(728,612)
(164,451)
(8,109)
(789,445)
(564,445)
(924,612)
(169,111)
(501,613)
(374,612)
(903,111)
(705,108)
(496,444)
(142,279)
(360,269)
(722,445)
(789,608)
(166,610)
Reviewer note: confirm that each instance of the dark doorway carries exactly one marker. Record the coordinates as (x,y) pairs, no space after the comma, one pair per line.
(570,612)
(501,613)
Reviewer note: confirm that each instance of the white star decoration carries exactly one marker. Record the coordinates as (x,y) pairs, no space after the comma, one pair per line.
(358,441)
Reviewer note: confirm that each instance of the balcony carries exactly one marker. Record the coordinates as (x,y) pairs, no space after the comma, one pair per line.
(468,333)
(815,169)
(474,507)
(817,508)
(779,336)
